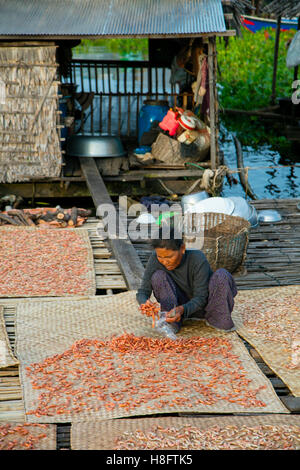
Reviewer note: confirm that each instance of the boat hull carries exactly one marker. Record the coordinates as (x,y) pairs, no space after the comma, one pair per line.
(254,24)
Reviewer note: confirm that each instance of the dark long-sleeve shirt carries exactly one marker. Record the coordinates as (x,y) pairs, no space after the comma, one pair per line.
(191,276)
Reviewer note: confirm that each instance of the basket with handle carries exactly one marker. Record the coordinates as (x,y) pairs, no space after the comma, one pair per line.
(222,238)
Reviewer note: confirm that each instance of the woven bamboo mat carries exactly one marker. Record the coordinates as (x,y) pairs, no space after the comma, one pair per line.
(64,330)
(20,436)
(40,262)
(6,355)
(269,319)
(182,433)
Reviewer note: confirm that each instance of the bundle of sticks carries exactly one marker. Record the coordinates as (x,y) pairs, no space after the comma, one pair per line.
(53,217)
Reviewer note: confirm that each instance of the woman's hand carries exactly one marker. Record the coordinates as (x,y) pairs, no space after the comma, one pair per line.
(149,303)
(175,314)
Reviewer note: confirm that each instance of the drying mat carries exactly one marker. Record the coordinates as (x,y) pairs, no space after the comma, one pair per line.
(269,319)
(6,355)
(46,262)
(15,436)
(60,338)
(199,433)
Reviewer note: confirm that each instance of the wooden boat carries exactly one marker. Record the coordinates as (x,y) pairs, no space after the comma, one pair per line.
(254,23)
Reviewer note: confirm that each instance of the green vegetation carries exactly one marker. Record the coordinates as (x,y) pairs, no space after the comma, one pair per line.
(245,82)
(246,67)
(126,48)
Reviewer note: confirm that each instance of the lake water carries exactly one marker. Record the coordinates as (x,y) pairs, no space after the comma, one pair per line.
(102,53)
(281,182)
(265,182)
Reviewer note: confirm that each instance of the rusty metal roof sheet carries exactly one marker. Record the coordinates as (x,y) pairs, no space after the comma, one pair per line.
(152,18)
(285,8)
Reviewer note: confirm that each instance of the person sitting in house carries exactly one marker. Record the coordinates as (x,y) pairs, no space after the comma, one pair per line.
(184,284)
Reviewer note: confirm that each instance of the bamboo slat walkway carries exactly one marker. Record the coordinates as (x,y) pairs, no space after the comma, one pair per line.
(273,258)
(273,254)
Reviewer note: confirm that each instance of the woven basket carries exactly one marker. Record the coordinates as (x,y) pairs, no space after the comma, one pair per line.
(222,238)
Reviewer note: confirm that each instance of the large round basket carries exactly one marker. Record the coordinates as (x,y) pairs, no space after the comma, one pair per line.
(223,238)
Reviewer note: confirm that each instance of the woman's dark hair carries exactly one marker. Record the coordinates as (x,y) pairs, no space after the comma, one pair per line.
(166,237)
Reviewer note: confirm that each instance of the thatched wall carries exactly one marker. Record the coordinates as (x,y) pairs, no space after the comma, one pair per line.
(29,136)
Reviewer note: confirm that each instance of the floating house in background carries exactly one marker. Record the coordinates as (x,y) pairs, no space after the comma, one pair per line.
(44,93)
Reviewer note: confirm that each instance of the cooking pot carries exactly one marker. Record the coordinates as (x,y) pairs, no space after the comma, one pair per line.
(269,216)
(96,146)
(213,204)
(191,199)
(243,209)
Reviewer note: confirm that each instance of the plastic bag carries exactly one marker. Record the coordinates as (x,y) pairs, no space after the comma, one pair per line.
(165,328)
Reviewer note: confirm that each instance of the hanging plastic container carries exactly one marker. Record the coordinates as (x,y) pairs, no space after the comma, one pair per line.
(151,111)
(170,123)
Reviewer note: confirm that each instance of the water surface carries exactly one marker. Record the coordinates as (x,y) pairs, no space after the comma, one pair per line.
(274,183)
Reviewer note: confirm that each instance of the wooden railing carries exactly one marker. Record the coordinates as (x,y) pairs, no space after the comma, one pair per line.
(120,88)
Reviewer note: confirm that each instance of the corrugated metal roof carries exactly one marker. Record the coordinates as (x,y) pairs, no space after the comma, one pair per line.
(110,17)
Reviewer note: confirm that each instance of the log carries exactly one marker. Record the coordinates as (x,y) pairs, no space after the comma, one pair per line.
(240,164)
(29,219)
(9,220)
(49,216)
(34,217)
(84,212)
(74,214)
(67,216)
(19,214)
(63,216)
(60,215)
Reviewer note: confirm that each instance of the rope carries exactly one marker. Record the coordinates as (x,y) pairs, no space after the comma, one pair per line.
(238,170)
(219,173)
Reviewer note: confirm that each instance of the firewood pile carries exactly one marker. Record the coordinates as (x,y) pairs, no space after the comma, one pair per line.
(51,217)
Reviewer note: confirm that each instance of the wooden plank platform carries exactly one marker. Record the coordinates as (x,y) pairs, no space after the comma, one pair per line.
(273,254)
(125,254)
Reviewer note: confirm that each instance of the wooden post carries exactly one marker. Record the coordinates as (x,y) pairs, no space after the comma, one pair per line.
(276,47)
(212,117)
(216,104)
(296,71)
(296,68)
(149,80)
